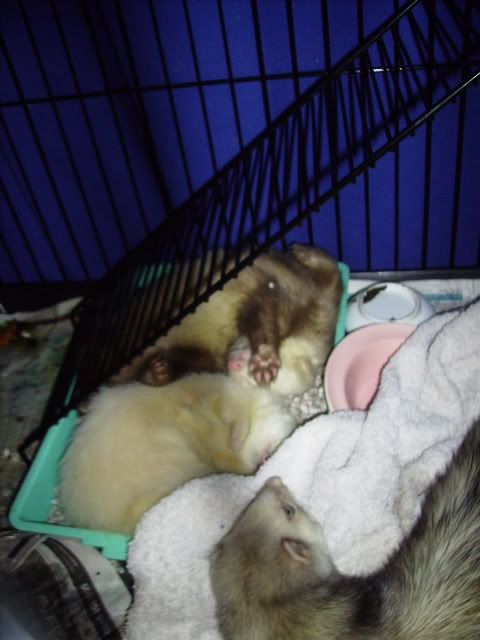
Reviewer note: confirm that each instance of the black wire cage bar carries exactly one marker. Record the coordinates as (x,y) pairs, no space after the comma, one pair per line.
(422,58)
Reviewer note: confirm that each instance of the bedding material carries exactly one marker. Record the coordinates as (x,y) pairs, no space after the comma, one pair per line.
(361,474)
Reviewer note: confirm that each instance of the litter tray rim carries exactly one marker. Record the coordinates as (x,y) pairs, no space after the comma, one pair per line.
(112,545)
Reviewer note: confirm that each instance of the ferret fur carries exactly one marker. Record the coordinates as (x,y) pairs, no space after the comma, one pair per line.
(138,443)
(273,578)
(286,304)
(298,370)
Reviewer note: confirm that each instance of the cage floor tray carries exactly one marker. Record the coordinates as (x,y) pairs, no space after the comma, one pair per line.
(32,505)
(33,502)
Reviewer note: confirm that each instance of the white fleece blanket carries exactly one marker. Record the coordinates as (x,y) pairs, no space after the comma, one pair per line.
(361,474)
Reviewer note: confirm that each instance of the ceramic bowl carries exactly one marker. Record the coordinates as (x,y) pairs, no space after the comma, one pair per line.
(352,373)
(386,302)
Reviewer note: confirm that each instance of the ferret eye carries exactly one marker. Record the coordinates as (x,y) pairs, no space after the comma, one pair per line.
(289,510)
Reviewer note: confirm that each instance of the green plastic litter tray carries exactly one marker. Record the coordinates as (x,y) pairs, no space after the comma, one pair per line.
(342,309)
(33,502)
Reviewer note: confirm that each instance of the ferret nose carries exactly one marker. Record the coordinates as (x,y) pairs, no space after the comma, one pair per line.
(275,482)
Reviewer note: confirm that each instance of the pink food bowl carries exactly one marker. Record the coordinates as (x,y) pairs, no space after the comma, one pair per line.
(353,369)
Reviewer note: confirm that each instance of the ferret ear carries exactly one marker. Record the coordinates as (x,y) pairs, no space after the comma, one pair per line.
(297,550)
(238,432)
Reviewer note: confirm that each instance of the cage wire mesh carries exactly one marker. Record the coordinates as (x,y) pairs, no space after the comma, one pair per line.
(161,146)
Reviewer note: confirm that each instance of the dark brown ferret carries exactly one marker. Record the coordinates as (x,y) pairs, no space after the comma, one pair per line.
(285,305)
(273,578)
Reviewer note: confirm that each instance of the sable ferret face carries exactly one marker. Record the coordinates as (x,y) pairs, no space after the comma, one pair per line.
(273,547)
(275,512)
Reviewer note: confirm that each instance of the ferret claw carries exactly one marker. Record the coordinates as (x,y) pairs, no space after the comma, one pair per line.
(157,372)
(264,365)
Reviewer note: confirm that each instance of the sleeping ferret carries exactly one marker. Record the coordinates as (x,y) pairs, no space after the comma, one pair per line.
(138,443)
(286,306)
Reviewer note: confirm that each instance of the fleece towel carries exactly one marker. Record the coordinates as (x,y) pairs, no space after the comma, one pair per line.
(361,474)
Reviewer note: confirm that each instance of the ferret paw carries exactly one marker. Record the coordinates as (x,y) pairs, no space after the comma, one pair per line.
(264,365)
(238,360)
(157,373)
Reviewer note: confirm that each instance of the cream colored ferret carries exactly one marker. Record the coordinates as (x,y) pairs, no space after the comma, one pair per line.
(138,443)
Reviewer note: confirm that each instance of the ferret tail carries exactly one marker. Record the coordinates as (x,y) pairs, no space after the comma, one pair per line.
(432,583)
